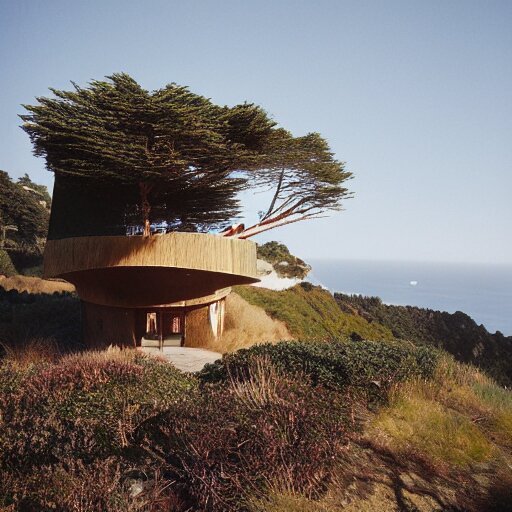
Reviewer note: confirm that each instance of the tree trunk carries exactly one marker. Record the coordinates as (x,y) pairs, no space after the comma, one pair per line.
(145,188)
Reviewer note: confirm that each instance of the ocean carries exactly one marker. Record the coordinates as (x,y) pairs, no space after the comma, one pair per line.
(484,292)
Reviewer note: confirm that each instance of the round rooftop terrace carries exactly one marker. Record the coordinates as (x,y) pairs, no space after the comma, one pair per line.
(141,271)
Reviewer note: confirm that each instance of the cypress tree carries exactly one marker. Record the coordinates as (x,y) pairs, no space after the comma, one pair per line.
(173,155)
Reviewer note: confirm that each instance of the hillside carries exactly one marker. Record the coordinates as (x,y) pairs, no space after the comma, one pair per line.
(331,423)
(285,264)
(310,312)
(316,427)
(456,333)
(256,315)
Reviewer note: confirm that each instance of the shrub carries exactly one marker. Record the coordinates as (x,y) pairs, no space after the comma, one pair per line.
(6,265)
(456,333)
(240,436)
(71,485)
(331,364)
(84,406)
(31,351)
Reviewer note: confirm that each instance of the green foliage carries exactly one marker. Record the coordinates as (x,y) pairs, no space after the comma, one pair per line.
(456,333)
(335,364)
(6,266)
(495,396)
(279,428)
(173,155)
(431,430)
(310,312)
(458,418)
(24,220)
(40,191)
(21,209)
(284,263)
(83,407)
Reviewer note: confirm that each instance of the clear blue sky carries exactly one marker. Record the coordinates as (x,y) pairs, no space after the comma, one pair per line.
(414,96)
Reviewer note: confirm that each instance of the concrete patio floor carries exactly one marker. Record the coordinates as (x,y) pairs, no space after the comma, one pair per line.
(185,359)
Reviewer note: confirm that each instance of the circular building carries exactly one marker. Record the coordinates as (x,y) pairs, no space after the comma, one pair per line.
(157,291)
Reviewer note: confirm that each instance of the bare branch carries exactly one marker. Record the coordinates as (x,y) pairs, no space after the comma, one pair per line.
(276,195)
(259,228)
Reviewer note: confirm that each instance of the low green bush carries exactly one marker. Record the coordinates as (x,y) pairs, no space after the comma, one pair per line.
(333,364)
(456,333)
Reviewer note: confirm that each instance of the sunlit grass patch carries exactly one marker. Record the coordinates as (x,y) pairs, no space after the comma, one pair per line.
(499,402)
(286,501)
(428,429)
(458,417)
(494,396)
(468,390)
(312,313)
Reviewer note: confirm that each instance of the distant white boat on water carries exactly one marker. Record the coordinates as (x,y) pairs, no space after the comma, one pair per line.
(413,283)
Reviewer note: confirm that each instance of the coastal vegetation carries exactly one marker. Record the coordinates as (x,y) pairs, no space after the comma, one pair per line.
(24,217)
(285,264)
(457,333)
(6,265)
(26,318)
(325,426)
(310,312)
(358,413)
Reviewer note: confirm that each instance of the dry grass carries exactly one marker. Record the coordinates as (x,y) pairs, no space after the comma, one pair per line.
(246,325)
(35,285)
(466,390)
(261,386)
(286,501)
(36,350)
(45,350)
(112,353)
(460,417)
(425,428)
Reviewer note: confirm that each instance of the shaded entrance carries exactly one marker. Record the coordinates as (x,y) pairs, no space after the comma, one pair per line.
(163,327)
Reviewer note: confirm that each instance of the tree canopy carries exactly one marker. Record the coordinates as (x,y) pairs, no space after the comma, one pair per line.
(175,156)
(23,216)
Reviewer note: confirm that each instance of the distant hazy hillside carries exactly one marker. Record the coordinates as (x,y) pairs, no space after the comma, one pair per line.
(456,333)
